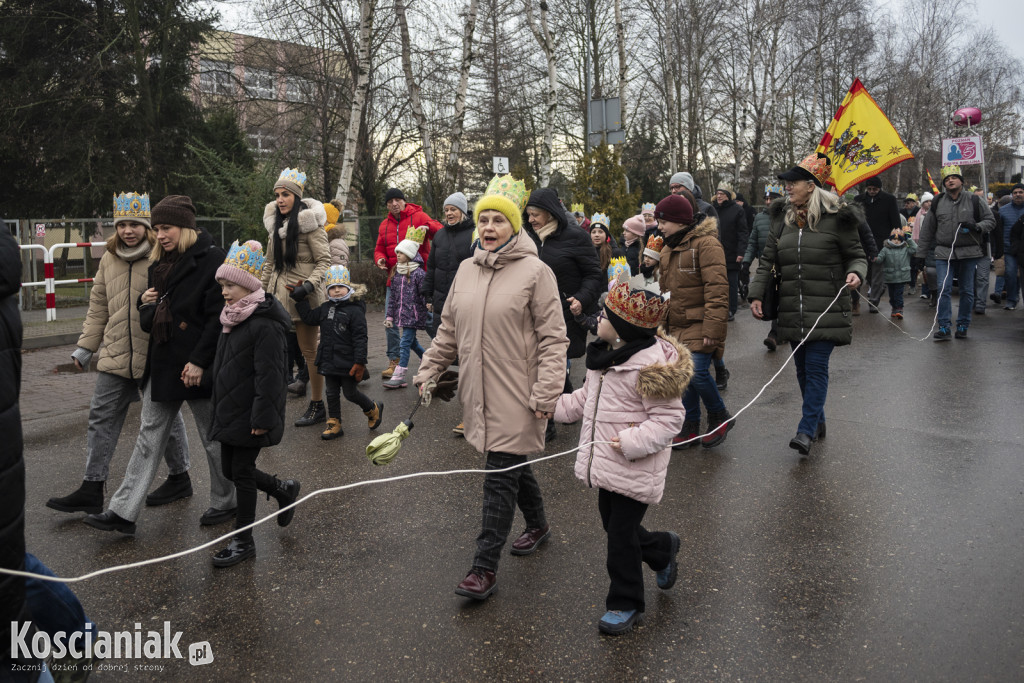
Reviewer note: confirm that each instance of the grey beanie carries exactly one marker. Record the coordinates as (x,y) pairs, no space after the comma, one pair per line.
(458,200)
(683,178)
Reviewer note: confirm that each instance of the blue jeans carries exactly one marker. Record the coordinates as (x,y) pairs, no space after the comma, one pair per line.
(812,376)
(701,388)
(1011,280)
(963,269)
(54,607)
(408,343)
(391,333)
(895,295)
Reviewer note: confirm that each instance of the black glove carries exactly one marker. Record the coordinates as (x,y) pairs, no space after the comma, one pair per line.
(968,225)
(447,383)
(300,292)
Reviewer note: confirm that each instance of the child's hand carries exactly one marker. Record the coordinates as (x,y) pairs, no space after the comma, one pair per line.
(388,323)
(259,432)
(616,444)
(430,307)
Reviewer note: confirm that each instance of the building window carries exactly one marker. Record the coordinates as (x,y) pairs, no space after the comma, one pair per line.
(215,77)
(260,84)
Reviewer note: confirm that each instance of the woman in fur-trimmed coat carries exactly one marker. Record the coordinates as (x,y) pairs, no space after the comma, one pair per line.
(298,255)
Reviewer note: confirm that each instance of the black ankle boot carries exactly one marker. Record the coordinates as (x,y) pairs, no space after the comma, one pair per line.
(285,492)
(238,549)
(88,498)
(176,487)
(315,414)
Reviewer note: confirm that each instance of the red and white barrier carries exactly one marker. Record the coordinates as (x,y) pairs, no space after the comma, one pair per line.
(48,275)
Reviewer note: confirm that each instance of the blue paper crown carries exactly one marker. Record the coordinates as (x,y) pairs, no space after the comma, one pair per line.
(293,175)
(131,205)
(337,275)
(248,257)
(647,207)
(618,269)
(602,219)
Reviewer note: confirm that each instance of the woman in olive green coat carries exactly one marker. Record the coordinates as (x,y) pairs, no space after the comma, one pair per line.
(815,245)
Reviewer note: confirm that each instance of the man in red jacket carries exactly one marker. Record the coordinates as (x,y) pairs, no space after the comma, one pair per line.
(402,215)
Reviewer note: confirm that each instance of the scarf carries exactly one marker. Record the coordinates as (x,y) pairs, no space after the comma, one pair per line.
(130,254)
(601,355)
(236,313)
(629,238)
(673,240)
(406,268)
(341,298)
(648,272)
(163,320)
(546,231)
(801,215)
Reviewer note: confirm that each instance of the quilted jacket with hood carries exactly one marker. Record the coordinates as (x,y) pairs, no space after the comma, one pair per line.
(342,332)
(638,402)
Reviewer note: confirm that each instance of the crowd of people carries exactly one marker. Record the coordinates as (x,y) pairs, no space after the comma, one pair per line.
(175,320)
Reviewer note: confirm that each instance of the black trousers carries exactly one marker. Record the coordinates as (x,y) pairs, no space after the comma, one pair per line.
(296,359)
(630,546)
(335,384)
(239,465)
(502,493)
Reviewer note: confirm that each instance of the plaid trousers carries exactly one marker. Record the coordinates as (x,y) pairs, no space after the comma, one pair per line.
(502,492)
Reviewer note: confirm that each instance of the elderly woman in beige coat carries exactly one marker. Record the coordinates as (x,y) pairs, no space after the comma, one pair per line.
(113,321)
(503,321)
(298,255)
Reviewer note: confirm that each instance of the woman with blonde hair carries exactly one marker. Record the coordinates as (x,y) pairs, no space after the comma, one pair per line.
(815,245)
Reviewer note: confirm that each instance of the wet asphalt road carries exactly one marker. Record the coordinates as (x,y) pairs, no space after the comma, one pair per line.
(893,553)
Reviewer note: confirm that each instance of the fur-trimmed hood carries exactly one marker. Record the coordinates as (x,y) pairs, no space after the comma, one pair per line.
(708,226)
(338,232)
(666,380)
(358,292)
(311,216)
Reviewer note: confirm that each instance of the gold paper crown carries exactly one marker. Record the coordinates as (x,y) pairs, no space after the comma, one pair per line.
(601,219)
(131,205)
(510,188)
(639,307)
(416,235)
(655,243)
(577,208)
(293,175)
(618,269)
(951,170)
(248,257)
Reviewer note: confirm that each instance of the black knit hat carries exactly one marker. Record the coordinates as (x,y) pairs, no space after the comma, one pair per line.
(174,209)
(393,193)
(873,181)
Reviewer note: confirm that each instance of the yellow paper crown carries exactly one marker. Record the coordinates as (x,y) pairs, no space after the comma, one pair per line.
(638,307)
(248,257)
(618,269)
(951,170)
(416,235)
(577,208)
(507,195)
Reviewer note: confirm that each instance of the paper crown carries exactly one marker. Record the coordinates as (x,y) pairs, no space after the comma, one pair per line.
(637,307)
(247,257)
(600,219)
(510,188)
(819,166)
(577,208)
(647,207)
(774,189)
(951,170)
(293,175)
(911,196)
(654,246)
(618,269)
(416,235)
(131,205)
(337,276)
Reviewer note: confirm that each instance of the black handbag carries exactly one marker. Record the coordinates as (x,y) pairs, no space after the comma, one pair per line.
(770,301)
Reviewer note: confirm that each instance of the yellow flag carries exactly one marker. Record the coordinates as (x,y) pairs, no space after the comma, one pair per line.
(860,141)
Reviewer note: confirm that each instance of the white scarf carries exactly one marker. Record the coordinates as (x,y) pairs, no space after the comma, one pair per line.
(407,267)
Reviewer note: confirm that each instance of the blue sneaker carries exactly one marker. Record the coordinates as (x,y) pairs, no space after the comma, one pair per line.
(616,622)
(667,576)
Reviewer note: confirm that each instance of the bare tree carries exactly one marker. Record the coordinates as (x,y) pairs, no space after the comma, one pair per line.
(542,34)
(362,85)
(458,125)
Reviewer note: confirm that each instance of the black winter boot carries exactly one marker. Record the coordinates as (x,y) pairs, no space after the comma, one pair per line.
(285,492)
(176,487)
(315,414)
(88,498)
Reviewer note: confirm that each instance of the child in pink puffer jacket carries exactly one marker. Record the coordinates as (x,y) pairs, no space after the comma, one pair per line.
(631,398)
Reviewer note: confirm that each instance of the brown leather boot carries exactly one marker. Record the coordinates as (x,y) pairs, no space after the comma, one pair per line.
(333,430)
(373,417)
(389,370)
(478,584)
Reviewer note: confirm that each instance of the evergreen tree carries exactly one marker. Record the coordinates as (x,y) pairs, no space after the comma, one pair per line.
(600,185)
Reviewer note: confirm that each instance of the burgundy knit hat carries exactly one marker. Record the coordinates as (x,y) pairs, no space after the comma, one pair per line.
(174,209)
(674,208)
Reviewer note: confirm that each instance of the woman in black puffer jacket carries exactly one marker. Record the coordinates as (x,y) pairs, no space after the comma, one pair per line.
(452,245)
(569,252)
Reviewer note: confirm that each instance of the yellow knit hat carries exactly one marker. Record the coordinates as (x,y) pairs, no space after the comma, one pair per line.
(332,215)
(507,195)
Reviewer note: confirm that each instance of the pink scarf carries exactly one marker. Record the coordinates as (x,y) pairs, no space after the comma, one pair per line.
(237,312)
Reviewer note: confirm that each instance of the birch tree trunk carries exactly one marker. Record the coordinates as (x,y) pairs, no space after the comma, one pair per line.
(348,158)
(451,168)
(620,39)
(415,100)
(544,38)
